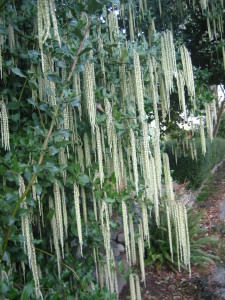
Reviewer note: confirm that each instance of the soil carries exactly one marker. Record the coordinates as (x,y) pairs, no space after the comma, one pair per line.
(208,282)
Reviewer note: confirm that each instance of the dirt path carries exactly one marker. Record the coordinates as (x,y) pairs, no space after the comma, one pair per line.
(206,283)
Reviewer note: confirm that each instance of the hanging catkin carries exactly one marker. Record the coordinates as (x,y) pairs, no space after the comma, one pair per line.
(169,66)
(113,26)
(140,104)
(141,250)
(66,123)
(123,86)
(126,232)
(55,237)
(54,21)
(132,287)
(65,218)
(63,162)
(101,55)
(169,231)
(121,162)
(139,87)
(134,159)
(160,7)
(89,83)
(165,98)
(188,73)
(204,4)
(80,156)
(114,275)
(105,227)
(144,211)
(157,157)
(40,30)
(168,179)
(209,121)
(102,133)
(87,151)
(77,90)
(29,246)
(59,214)
(109,123)
(11,37)
(146,162)
(223,53)
(76,195)
(46,19)
(4,126)
(94,205)
(152,67)
(209,29)
(214,111)
(202,136)
(93,144)
(84,206)
(181,93)
(116,161)
(100,159)
(131,23)
(155,189)
(132,240)
(184,243)
(138,288)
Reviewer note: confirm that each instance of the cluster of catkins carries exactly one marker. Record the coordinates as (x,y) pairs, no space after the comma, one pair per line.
(134,159)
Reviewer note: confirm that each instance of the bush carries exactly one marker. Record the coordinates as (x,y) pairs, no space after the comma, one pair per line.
(195,171)
(159,252)
(221,131)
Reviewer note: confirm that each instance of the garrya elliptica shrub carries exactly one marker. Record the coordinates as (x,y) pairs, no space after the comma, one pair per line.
(80,87)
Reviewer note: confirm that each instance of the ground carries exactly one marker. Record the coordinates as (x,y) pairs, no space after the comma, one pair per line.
(207,282)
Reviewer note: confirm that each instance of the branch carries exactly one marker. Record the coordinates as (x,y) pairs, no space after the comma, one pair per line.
(22,90)
(45,145)
(61,262)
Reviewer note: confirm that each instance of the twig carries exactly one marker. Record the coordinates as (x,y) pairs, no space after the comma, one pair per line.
(45,145)
(61,262)
(22,90)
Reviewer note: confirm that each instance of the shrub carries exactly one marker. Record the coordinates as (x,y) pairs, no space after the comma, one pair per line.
(196,171)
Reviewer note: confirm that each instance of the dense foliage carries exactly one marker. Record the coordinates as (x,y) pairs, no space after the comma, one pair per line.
(87,95)
(194,170)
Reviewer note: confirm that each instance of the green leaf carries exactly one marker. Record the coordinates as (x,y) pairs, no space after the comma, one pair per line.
(38,189)
(54,77)
(75,102)
(27,291)
(15,117)
(44,106)
(109,200)
(31,101)
(11,221)
(53,150)
(18,72)
(5,256)
(83,180)
(94,5)
(87,49)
